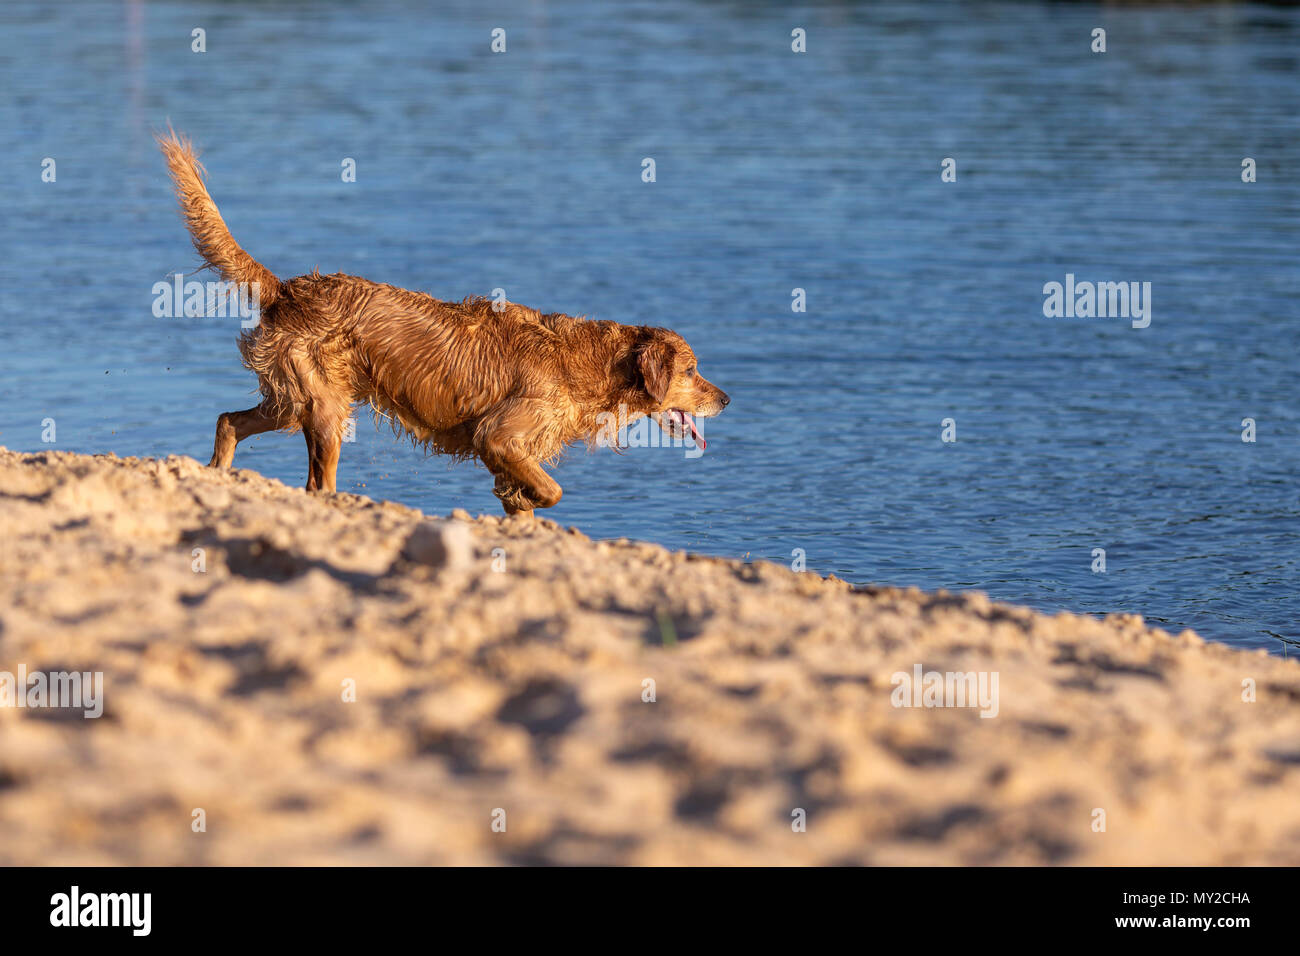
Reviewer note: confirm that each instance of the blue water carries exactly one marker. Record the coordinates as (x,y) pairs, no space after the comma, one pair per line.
(775,171)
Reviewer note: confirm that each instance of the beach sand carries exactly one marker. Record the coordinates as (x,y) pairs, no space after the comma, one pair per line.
(500,673)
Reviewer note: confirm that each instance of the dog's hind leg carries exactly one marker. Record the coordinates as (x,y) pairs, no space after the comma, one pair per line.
(323,451)
(327,461)
(311,459)
(323,426)
(234,427)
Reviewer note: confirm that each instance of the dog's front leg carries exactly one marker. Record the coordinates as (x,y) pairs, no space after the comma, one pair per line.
(524,485)
(514,499)
(507,448)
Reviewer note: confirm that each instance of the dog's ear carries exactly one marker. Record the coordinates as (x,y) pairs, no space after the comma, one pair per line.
(656,366)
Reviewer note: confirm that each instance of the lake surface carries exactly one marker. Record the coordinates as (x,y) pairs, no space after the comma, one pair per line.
(775,171)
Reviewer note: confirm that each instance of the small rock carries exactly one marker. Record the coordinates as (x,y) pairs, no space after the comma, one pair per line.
(440,544)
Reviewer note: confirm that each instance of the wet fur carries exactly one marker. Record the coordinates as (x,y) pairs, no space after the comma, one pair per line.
(509,388)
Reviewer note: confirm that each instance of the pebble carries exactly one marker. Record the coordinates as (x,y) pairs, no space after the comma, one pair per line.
(440,544)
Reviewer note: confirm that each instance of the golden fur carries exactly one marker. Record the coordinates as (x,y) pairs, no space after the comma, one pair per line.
(510,388)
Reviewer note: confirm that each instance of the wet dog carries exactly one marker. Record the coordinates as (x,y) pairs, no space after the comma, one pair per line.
(497,382)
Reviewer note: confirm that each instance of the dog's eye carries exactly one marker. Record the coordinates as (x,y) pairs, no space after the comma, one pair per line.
(690,372)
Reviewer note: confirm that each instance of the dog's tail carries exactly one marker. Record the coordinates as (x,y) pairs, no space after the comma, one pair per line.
(208,230)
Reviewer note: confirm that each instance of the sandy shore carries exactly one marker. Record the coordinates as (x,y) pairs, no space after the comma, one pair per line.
(500,670)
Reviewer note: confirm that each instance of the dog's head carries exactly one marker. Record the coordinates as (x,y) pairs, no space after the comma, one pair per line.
(677,393)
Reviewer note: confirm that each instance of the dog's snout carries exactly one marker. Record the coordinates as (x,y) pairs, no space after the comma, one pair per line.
(724,398)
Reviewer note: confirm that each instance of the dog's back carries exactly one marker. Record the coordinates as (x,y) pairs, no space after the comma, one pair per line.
(435,367)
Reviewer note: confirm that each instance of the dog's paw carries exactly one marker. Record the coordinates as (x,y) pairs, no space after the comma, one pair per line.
(513,497)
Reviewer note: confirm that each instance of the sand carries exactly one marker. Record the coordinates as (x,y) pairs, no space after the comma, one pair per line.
(501,710)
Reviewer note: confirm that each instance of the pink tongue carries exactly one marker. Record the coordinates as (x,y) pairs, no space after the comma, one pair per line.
(695,432)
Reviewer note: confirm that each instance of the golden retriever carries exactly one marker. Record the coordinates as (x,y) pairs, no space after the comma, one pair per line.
(506,385)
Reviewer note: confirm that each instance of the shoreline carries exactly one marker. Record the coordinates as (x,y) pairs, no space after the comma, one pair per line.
(501,665)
